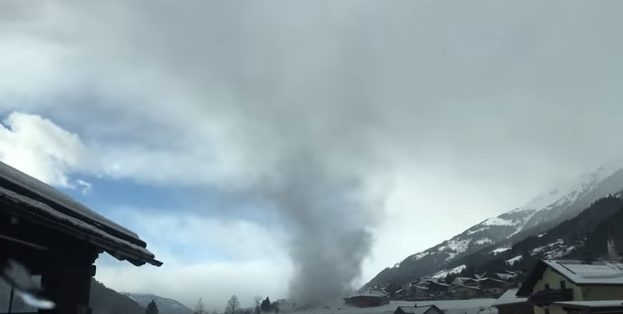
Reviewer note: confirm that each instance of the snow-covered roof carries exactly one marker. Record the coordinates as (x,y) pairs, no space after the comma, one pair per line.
(39,202)
(592,304)
(578,272)
(19,182)
(368,293)
(599,272)
(510,297)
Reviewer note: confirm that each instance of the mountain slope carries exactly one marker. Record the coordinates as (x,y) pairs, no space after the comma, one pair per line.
(103,301)
(107,301)
(582,237)
(165,305)
(535,217)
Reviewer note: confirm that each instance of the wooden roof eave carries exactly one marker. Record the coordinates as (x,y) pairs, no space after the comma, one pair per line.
(43,214)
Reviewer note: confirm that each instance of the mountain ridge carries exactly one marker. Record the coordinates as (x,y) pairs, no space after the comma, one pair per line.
(536,216)
(165,305)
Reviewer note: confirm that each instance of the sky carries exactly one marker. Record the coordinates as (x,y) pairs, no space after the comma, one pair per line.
(253,144)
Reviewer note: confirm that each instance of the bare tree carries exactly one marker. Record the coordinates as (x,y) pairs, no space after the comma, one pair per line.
(233,305)
(258,302)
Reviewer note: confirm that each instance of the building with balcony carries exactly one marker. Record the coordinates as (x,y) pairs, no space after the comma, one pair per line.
(554,283)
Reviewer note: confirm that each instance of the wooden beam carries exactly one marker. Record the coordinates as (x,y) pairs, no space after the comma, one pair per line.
(66,279)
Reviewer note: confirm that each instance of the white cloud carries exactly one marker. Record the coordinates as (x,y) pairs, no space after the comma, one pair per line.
(245,258)
(40,148)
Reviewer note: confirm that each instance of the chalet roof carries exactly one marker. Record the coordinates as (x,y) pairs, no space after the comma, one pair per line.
(428,309)
(368,293)
(578,272)
(36,201)
(510,297)
(610,304)
(437,283)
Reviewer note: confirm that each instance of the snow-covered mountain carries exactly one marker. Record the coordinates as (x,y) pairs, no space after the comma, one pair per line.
(165,305)
(538,215)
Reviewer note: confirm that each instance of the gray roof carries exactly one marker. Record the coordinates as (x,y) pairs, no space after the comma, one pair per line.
(592,304)
(17,181)
(368,293)
(598,272)
(34,200)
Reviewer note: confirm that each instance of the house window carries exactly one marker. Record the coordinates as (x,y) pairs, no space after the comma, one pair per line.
(563,285)
(546,286)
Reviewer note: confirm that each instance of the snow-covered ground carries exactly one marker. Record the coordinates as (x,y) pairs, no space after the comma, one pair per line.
(444,273)
(470,306)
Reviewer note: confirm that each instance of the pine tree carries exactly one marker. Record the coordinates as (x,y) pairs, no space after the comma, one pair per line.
(152,308)
(266,306)
(200,309)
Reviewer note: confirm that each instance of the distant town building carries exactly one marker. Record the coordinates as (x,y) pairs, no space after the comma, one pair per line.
(420,291)
(367,299)
(464,292)
(556,286)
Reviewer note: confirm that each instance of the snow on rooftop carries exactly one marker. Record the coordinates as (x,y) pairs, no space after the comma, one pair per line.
(510,297)
(368,293)
(117,247)
(593,304)
(599,272)
(56,199)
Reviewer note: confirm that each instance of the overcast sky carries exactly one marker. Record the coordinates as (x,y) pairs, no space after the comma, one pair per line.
(199,124)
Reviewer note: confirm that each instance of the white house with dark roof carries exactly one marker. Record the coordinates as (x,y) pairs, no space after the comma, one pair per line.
(553,282)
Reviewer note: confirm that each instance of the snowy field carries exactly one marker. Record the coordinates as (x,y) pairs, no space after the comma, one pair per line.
(471,306)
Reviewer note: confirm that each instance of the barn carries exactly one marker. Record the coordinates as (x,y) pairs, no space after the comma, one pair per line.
(48,236)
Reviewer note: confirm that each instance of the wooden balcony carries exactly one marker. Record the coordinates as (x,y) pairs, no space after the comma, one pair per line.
(547,297)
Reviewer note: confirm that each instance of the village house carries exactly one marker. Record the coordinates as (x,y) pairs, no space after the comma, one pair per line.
(554,285)
(46,235)
(426,309)
(419,291)
(369,298)
(437,289)
(492,286)
(464,292)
